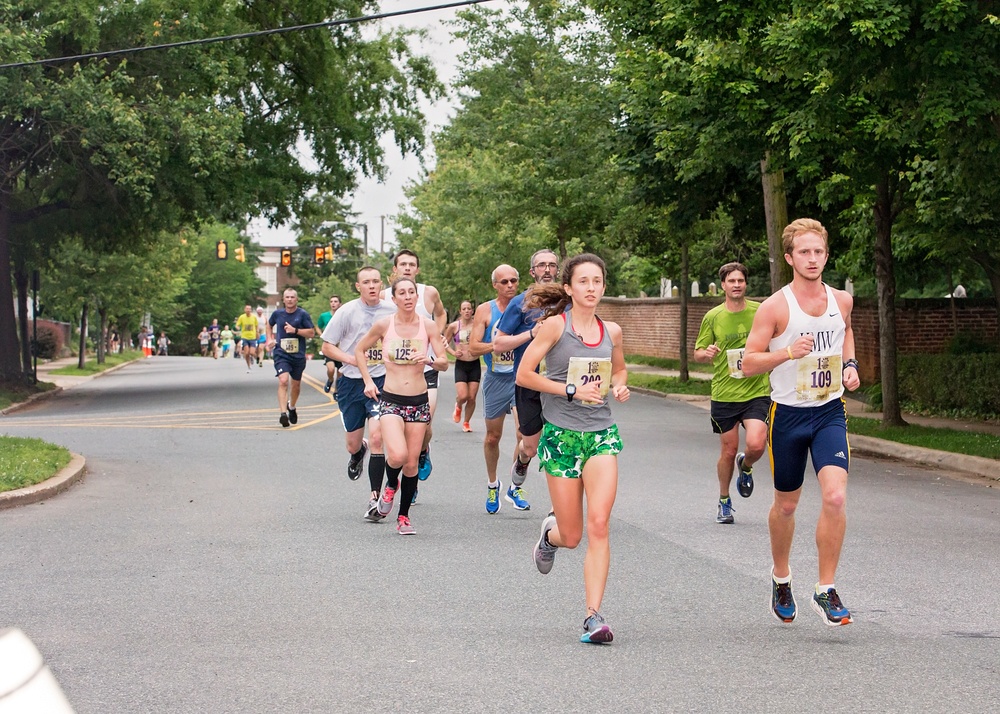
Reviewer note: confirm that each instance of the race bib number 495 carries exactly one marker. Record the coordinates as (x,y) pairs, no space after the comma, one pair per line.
(290,345)
(374,354)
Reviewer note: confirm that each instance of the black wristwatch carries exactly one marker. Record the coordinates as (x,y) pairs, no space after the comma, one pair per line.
(570,392)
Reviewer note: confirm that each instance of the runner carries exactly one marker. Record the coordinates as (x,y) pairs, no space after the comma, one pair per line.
(584,363)
(468,370)
(349,324)
(331,365)
(226,339)
(735,399)
(214,331)
(404,407)
(498,381)
(515,330)
(203,338)
(407,265)
(261,335)
(287,332)
(247,325)
(802,335)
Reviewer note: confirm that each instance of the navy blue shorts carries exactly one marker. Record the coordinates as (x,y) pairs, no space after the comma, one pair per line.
(796,432)
(294,367)
(355,407)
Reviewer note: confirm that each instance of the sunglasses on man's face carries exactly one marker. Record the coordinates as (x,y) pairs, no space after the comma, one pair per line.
(508,281)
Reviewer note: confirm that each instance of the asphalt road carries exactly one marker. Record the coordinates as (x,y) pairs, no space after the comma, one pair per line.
(211,561)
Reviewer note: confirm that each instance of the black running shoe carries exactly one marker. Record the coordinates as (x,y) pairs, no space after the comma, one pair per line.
(328,386)
(744,483)
(283,419)
(355,465)
(293,416)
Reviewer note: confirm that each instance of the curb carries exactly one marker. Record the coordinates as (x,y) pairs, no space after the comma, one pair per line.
(39,397)
(973,465)
(69,475)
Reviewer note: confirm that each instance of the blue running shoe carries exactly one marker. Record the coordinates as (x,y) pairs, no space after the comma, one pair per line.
(515,494)
(424,465)
(596,630)
(414,499)
(744,482)
(782,602)
(726,511)
(830,609)
(493,498)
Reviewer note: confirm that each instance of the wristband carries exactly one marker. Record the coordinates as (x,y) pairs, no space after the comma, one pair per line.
(789,350)
(531,332)
(852,363)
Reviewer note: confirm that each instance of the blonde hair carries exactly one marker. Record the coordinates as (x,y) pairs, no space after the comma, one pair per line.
(802,225)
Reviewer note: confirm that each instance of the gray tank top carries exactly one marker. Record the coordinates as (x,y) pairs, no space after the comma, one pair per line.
(557,409)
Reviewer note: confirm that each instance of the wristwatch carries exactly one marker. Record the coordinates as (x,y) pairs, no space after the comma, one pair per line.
(570,392)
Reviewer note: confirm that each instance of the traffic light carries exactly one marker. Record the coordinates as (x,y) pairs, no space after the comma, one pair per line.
(328,253)
(319,255)
(286,257)
(222,250)
(241,253)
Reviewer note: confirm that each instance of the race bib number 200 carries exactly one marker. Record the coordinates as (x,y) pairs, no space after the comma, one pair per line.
(583,371)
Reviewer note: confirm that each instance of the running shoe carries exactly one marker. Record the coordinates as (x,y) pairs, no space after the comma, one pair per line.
(372,513)
(293,416)
(385,503)
(424,465)
(414,499)
(544,553)
(830,609)
(466,428)
(518,471)
(596,630)
(515,494)
(328,386)
(403,526)
(744,483)
(726,511)
(493,498)
(283,419)
(782,601)
(355,464)
(457,415)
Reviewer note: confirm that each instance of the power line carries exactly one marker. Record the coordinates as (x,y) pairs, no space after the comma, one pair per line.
(242,36)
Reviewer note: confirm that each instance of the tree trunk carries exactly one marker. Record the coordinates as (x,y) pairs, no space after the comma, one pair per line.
(21,284)
(10,356)
(685,289)
(776,218)
(82,361)
(992,270)
(103,341)
(885,278)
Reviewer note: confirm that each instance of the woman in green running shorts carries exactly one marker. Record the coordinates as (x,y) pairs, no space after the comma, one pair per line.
(584,364)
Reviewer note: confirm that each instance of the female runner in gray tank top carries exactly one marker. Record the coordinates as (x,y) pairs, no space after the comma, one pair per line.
(584,364)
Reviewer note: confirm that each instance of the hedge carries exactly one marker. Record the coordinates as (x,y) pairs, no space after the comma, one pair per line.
(967,384)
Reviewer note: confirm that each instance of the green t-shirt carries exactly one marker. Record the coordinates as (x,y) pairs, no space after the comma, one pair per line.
(728,331)
(323,321)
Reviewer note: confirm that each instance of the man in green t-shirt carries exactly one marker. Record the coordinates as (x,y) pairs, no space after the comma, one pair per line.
(735,399)
(331,365)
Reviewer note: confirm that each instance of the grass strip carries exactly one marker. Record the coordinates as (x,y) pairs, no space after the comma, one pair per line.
(91,366)
(670,385)
(14,394)
(25,462)
(971,443)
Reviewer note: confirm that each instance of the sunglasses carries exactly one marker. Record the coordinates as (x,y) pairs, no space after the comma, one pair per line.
(508,281)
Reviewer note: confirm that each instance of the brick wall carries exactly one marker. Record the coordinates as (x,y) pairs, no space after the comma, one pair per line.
(651,326)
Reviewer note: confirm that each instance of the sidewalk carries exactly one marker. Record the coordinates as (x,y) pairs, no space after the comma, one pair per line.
(882,448)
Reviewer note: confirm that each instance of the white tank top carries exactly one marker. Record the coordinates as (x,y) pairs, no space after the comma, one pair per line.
(817,378)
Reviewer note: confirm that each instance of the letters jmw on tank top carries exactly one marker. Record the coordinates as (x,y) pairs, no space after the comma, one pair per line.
(822,340)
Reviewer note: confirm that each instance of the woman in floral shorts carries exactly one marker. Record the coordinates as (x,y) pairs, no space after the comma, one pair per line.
(584,364)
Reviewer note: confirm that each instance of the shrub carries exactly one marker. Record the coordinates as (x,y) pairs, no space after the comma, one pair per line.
(968,384)
(969,343)
(50,341)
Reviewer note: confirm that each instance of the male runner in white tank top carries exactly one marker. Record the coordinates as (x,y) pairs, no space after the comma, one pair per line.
(429,305)
(802,335)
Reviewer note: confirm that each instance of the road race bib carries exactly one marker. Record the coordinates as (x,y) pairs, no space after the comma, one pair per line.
(374,354)
(463,336)
(735,359)
(404,350)
(583,371)
(816,378)
(290,345)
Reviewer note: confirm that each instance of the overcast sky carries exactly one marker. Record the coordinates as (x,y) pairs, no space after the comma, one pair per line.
(374,200)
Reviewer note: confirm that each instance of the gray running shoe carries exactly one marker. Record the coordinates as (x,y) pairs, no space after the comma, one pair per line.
(385,503)
(518,472)
(596,630)
(403,526)
(726,511)
(372,513)
(544,553)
